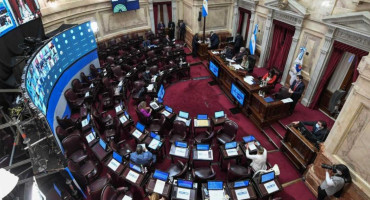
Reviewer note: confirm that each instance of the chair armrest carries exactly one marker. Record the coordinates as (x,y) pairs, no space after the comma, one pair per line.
(170,133)
(120,142)
(122,189)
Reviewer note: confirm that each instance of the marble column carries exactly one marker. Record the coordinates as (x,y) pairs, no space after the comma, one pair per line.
(151,15)
(236,18)
(174,14)
(319,69)
(251,27)
(266,39)
(292,50)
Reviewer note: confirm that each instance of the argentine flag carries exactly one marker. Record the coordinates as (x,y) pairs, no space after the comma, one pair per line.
(205,8)
(252,44)
(297,65)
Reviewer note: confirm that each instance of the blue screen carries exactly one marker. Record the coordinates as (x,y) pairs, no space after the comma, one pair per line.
(185,184)
(219,114)
(161,92)
(160,175)
(230,145)
(249,138)
(215,185)
(169,109)
(202,117)
(241,184)
(7,20)
(155,136)
(237,94)
(181,144)
(135,167)
(183,114)
(102,144)
(57,190)
(125,5)
(203,147)
(213,68)
(267,177)
(140,127)
(117,157)
(127,115)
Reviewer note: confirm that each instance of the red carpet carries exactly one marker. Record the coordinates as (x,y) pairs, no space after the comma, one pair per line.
(198,71)
(297,191)
(287,170)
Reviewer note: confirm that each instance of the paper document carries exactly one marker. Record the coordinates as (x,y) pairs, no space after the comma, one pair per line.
(237,66)
(154,78)
(166,113)
(154,144)
(229,60)
(84,122)
(249,80)
(132,176)
(242,194)
(271,187)
(123,119)
(231,152)
(118,108)
(287,100)
(183,193)
(180,151)
(215,52)
(251,146)
(87,94)
(203,155)
(154,105)
(126,198)
(159,186)
(113,164)
(120,83)
(216,194)
(90,137)
(91,85)
(137,134)
(201,123)
(150,87)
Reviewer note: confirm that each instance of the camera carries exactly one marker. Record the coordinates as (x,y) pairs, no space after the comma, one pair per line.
(331,167)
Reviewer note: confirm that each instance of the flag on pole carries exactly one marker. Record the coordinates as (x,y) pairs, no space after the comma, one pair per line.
(252,44)
(75,182)
(299,61)
(205,8)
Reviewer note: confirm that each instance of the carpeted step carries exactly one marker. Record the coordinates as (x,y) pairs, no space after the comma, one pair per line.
(278,129)
(272,136)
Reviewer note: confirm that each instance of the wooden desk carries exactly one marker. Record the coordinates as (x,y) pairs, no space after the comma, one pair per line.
(298,149)
(225,156)
(193,193)
(207,125)
(170,117)
(99,152)
(151,184)
(173,150)
(263,113)
(120,168)
(251,192)
(262,192)
(127,123)
(161,148)
(196,158)
(203,50)
(142,136)
(140,180)
(218,121)
(205,196)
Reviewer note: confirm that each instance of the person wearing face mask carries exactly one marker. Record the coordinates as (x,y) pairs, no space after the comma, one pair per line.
(295,91)
(318,132)
(239,56)
(333,185)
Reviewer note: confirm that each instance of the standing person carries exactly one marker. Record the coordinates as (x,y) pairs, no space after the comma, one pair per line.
(195,45)
(238,42)
(182,31)
(161,26)
(215,40)
(333,185)
(258,160)
(296,89)
(171,29)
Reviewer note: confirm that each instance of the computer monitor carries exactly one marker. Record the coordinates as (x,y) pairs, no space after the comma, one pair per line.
(230,145)
(184,183)
(161,92)
(202,117)
(160,175)
(202,147)
(57,190)
(249,138)
(102,144)
(213,68)
(155,136)
(184,115)
(169,109)
(215,185)
(140,127)
(237,94)
(268,177)
(181,144)
(127,115)
(117,157)
(219,114)
(88,117)
(239,184)
(135,167)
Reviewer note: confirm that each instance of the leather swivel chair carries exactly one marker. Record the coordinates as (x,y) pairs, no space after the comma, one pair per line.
(228,132)
(79,87)
(95,188)
(122,147)
(237,172)
(138,91)
(85,173)
(203,174)
(85,78)
(178,169)
(143,119)
(109,193)
(178,132)
(75,148)
(62,133)
(157,125)
(74,100)
(94,71)
(68,123)
(204,137)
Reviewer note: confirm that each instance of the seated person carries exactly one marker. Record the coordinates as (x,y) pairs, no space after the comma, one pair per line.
(146,111)
(270,77)
(167,40)
(239,56)
(319,130)
(228,51)
(245,62)
(142,156)
(258,160)
(215,41)
(147,76)
(146,43)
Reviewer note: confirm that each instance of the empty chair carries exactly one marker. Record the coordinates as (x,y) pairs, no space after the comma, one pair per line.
(62,133)
(85,173)
(79,87)
(157,124)
(236,172)
(177,170)
(203,174)
(178,132)
(68,123)
(122,147)
(204,137)
(74,100)
(74,148)
(109,193)
(228,132)
(95,188)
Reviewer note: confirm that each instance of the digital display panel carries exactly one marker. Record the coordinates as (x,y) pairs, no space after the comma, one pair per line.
(161,92)
(117,157)
(7,22)
(181,144)
(184,183)
(203,147)
(215,185)
(230,145)
(213,68)
(140,127)
(25,10)
(102,144)
(237,94)
(201,117)
(125,5)
(160,175)
(238,184)
(169,109)
(183,114)
(249,138)
(267,177)
(219,114)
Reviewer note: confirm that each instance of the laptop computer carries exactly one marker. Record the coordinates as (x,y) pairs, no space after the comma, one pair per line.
(219,114)
(202,117)
(160,175)
(215,185)
(169,109)
(185,184)
(267,177)
(117,157)
(239,184)
(202,147)
(154,105)
(155,136)
(184,115)
(250,138)
(140,127)
(103,144)
(181,144)
(135,167)
(230,145)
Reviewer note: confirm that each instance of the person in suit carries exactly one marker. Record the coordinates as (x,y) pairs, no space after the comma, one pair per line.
(161,26)
(167,40)
(319,130)
(295,91)
(238,42)
(239,56)
(195,45)
(228,51)
(142,156)
(215,41)
(171,29)
(182,31)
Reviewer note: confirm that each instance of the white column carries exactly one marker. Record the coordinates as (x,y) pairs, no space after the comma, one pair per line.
(174,14)
(251,28)
(319,68)
(151,15)
(236,19)
(266,39)
(292,49)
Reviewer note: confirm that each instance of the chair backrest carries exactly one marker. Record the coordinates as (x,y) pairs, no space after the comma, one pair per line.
(252,62)
(70,95)
(230,128)
(183,168)
(93,71)
(180,128)
(65,122)
(84,78)
(108,193)
(76,84)
(154,70)
(72,143)
(209,138)
(117,71)
(138,85)
(142,118)
(61,132)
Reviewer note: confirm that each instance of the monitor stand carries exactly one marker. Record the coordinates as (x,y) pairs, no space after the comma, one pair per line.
(235,110)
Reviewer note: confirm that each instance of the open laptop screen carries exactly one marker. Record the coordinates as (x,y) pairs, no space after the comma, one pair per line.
(249,138)
(140,127)
(181,144)
(185,184)
(161,92)
(169,109)
(117,157)
(155,136)
(102,144)
(203,147)
(238,184)
(267,177)
(215,185)
(219,114)
(184,115)
(160,175)
(201,117)
(230,145)
(135,167)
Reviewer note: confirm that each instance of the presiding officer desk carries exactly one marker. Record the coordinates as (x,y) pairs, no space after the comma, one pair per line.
(255,106)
